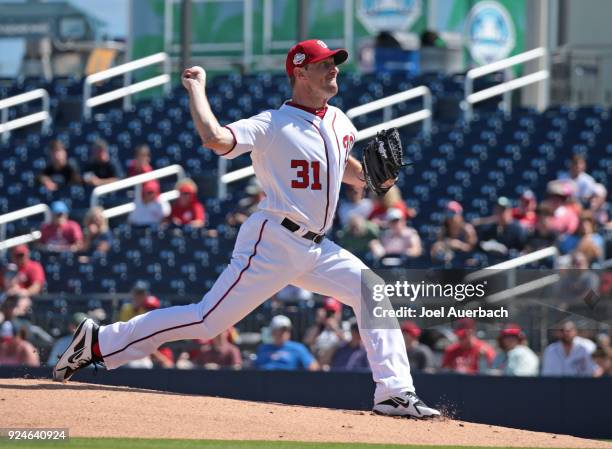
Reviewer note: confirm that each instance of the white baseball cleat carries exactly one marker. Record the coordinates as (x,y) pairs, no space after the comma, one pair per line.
(79,353)
(406,404)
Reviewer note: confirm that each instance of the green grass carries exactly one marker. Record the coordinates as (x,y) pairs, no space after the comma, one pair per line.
(137,443)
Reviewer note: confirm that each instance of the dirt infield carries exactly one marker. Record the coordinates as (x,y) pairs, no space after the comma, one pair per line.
(104,411)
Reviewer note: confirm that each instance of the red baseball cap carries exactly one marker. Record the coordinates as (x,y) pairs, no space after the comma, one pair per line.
(152,303)
(313,50)
(332,304)
(21,249)
(411,328)
(513,330)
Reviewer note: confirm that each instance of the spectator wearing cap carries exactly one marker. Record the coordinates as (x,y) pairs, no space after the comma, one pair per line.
(358,234)
(187,210)
(419,355)
(354,204)
(327,333)
(141,162)
(140,303)
(515,357)
(525,212)
(15,349)
(599,206)
(150,209)
(100,169)
(351,356)
(570,355)
(505,233)
(566,211)
(27,276)
(456,235)
(391,200)
(467,355)
(399,239)
(62,343)
(96,236)
(283,353)
(585,184)
(217,353)
(247,205)
(61,234)
(59,171)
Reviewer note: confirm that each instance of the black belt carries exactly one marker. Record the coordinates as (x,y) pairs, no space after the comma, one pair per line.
(293,227)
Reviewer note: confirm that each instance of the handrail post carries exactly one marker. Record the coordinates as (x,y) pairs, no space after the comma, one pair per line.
(5,135)
(507,96)
(428,105)
(86,97)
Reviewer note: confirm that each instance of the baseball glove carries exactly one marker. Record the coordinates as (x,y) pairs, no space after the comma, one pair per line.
(382,160)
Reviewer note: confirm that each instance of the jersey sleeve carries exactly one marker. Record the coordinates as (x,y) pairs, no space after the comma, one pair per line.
(251,134)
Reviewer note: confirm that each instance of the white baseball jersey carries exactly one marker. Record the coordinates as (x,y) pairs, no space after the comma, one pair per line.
(299,159)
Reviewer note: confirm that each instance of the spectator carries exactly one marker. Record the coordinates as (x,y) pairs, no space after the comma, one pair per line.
(62,343)
(100,170)
(137,305)
(399,239)
(15,350)
(585,183)
(565,210)
(515,357)
(217,353)
(282,353)
(505,233)
(247,205)
(570,355)
(543,235)
(351,355)
(187,210)
(27,277)
(419,355)
(355,204)
(469,354)
(61,234)
(586,240)
(59,171)
(326,334)
(602,357)
(525,213)
(150,209)
(97,236)
(141,162)
(358,234)
(599,206)
(15,307)
(455,236)
(391,200)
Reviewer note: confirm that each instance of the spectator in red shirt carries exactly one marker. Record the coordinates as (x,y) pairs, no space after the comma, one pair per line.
(30,277)
(61,234)
(466,355)
(141,162)
(217,353)
(525,213)
(187,210)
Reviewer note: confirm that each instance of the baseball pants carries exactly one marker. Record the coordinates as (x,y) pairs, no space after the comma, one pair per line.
(266,258)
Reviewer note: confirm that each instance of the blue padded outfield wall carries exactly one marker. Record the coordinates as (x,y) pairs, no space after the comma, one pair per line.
(574,406)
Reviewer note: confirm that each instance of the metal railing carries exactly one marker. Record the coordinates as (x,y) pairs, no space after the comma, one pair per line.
(509,270)
(135,181)
(385,104)
(505,88)
(43,116)
(128,88)
(424,115)
(18,215)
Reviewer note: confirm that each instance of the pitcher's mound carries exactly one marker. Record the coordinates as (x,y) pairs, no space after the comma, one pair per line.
(89,410)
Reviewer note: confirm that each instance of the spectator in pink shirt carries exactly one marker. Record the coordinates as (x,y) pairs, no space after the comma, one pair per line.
(399,239)
(61,234)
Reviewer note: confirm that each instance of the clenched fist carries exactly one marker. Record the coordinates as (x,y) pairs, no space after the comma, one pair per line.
(194,78)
